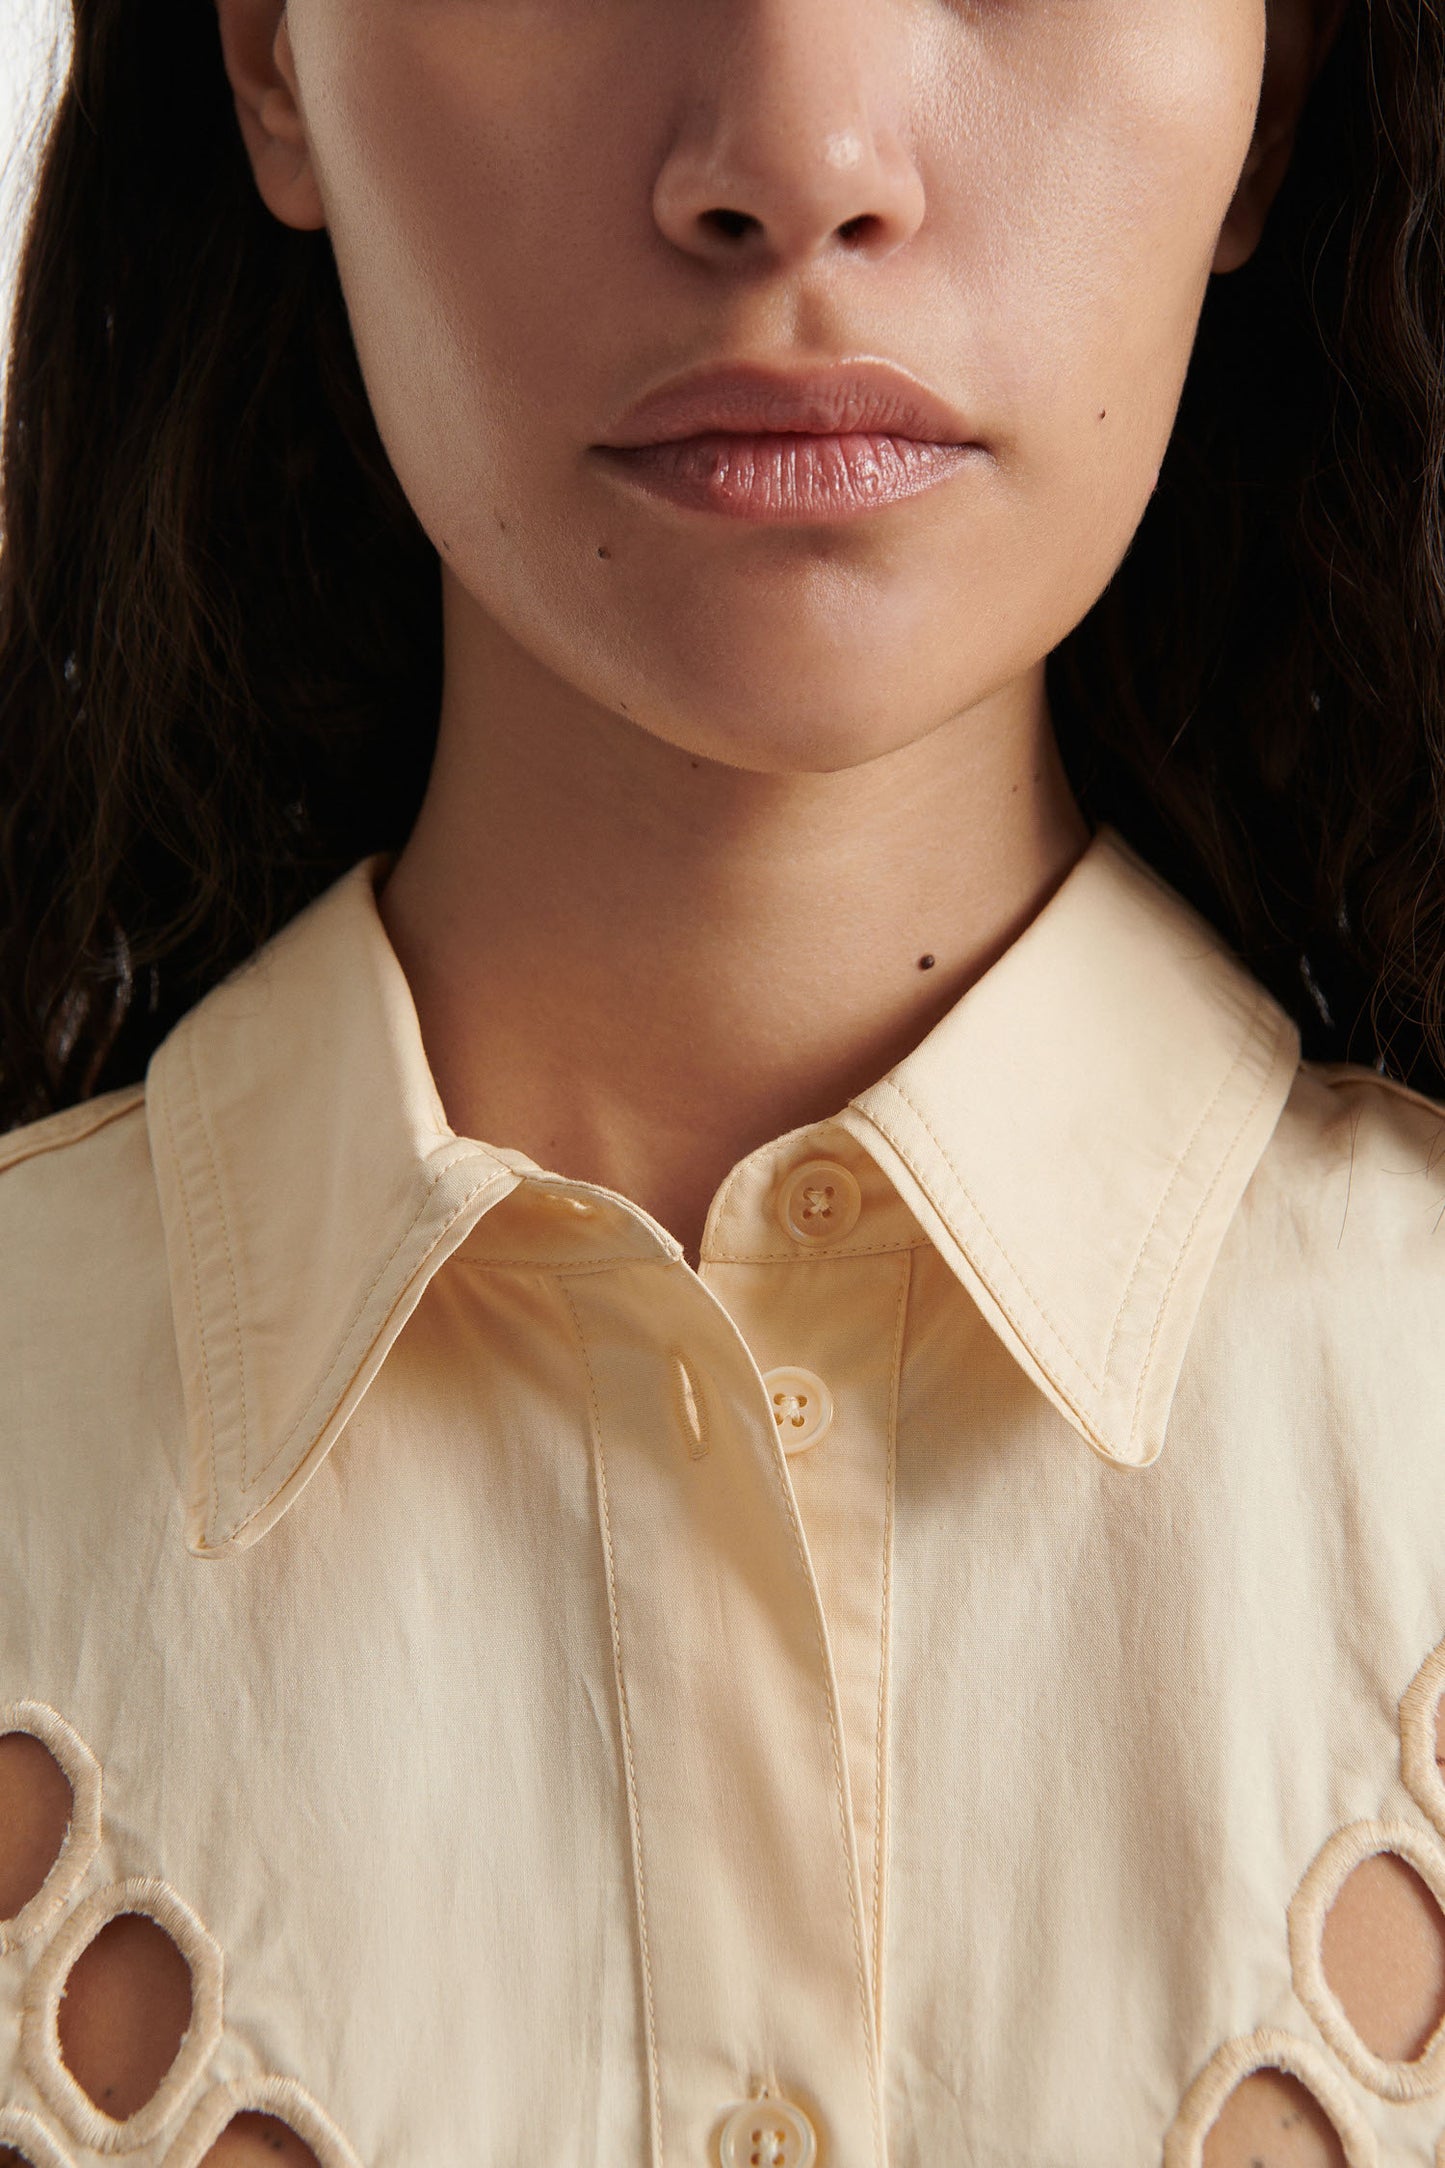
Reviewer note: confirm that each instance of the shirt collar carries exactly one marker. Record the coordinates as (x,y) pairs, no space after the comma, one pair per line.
(1077,1132)
(1074,1135)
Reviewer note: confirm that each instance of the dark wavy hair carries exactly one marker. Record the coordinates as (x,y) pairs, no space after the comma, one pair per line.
(220,624)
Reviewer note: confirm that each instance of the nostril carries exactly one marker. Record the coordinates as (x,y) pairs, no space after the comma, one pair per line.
(732,225)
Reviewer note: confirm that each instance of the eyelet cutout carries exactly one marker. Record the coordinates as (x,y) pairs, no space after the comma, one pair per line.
(280,2102)
(133,1953)
(1227,2071)
(1271,2117)
(1422,1738)
(1393,2078)
(1382,1954)
(135,1977)
(47,1760)
(125,2011)
(24,2138)
(251,2140)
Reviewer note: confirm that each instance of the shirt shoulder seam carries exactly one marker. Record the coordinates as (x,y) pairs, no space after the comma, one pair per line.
(1335,1074)
(72,1125)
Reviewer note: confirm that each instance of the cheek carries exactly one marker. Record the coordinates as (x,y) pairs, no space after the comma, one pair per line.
(450,174)
(489,193)
(1079,157)
(1091,174)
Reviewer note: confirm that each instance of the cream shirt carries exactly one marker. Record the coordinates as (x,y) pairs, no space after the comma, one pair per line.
(903,1693)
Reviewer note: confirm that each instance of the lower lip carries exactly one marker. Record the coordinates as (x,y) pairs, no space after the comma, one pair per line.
(789,478)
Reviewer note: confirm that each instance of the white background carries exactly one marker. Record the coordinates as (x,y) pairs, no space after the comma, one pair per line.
(29,31)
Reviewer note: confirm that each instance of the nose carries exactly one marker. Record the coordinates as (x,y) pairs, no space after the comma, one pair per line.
(792,146)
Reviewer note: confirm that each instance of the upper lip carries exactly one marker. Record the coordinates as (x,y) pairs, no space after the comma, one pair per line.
(754,398)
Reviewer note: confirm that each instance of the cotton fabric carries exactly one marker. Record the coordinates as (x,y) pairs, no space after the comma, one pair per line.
(541,1761)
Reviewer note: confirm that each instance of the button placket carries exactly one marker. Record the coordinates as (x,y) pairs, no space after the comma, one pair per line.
(842,1484)
(733,1742)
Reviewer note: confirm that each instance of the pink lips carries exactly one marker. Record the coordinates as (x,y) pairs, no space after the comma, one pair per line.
(761,444)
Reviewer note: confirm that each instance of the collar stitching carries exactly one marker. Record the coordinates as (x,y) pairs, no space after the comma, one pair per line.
(986,1280)
(263,1504)
(71,1125)
(563,1269)
(841,1256)
(890,1083)
(712,1257)
(225,1228)
(323,1389)
(1280,1043)
(1254,1036)
(197,1305)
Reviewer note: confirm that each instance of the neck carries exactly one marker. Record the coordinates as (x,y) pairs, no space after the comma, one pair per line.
(637,964)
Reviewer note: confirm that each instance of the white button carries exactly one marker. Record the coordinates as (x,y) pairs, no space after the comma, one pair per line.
(802,1406)
(767,2134)
(819,1201)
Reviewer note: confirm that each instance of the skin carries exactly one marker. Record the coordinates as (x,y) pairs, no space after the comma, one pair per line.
(705,793)
(35,1807)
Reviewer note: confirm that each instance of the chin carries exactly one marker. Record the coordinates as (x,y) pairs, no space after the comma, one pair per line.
(778,742)
(810,708)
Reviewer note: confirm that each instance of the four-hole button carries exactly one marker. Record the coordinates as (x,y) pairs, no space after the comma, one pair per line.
(819,1201)
(770,2133)
(802,1406)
